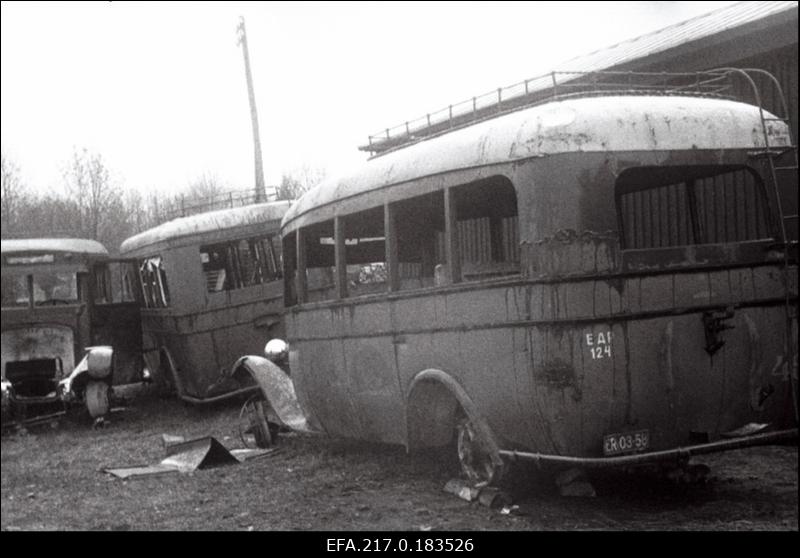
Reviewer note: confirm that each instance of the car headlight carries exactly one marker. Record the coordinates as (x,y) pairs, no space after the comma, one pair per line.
(276,350)
(5,386)
(99,361)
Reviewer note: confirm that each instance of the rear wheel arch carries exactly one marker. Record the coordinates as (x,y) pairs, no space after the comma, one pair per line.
(433,402)
(432,406)
(438,409)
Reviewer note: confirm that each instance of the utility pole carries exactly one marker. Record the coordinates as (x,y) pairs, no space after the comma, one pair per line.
(261,190)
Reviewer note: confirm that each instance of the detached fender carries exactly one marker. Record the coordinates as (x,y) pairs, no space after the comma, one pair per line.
(96,364)
(278,390)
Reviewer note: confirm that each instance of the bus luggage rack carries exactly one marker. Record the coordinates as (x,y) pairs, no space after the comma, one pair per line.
(547,87)
(181,206)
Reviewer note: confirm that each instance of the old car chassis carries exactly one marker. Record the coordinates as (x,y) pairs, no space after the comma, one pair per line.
(25,403)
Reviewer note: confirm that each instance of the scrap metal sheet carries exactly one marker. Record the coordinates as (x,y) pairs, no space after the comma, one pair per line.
(184,457)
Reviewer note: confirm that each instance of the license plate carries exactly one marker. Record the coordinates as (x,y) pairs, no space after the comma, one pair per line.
(628,442)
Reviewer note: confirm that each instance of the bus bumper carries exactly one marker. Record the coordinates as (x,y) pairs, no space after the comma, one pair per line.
(675,454)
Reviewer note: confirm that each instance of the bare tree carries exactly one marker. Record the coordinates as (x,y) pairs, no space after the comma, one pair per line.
(77,183)
(136,211)
(51,215)
(204,187)
(102,194)
(12,194)
(89,185)
(299,181)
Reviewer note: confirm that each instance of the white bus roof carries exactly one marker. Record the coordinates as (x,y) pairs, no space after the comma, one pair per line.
(588,124)
(207,223)
(53,245)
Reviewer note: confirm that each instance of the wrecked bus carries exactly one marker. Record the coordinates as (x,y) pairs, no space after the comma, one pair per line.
(600,278)
(212,291)
(70,327)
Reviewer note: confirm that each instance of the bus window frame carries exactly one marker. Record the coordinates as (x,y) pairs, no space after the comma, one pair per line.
(451,274)
(696,222)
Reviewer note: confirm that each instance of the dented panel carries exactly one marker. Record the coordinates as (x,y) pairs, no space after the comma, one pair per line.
(196,338)
(39,342)
(630,312)
(641,364)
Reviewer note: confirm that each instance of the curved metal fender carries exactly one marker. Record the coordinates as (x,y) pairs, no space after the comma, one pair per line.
(479,422)
(278,389)
(96,364)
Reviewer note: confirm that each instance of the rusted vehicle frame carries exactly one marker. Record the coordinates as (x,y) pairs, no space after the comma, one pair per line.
(68,333)
(195,331)
(617,320)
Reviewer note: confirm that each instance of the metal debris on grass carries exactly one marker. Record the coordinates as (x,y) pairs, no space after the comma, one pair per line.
(187,456)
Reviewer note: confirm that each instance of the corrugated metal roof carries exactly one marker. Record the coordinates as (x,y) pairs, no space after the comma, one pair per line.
(59,245)
(610,58)
(699,27)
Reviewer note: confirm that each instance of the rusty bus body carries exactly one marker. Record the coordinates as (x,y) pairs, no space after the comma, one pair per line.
(597,280)
(212,292)
(70,326)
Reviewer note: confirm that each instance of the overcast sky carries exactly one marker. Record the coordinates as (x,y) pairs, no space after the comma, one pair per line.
(159,88)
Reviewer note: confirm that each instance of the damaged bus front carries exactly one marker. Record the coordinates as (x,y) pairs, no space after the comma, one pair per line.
(70,327)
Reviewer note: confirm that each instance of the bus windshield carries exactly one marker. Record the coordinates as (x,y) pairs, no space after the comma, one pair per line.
(48,288)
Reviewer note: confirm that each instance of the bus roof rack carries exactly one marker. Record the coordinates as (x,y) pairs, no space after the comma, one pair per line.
(183,206)
(545,88)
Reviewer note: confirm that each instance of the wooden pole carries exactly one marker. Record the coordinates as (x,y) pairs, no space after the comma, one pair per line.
(260,188)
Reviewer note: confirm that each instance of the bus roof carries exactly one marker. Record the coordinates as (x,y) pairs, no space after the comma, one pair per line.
(229,220)
(587,124)
(53,245)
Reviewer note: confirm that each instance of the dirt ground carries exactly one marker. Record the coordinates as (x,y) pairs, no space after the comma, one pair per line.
(52,479)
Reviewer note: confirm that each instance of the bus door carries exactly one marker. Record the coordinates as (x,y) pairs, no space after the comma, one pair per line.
(115,316)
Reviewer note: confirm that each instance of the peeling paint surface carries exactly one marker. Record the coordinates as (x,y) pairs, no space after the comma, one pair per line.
(60,245)
(201,334)
(595,337)
(598,124)
(536,367)
(186,229)
(39,342)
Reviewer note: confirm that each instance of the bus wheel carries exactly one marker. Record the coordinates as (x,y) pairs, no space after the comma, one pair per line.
(97,399)
(476,462)
(254,429)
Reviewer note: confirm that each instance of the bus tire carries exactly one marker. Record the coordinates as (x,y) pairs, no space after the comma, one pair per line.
(96,397)
(475,462)
(254,427)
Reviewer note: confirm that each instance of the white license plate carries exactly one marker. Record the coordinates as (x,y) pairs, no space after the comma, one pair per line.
(628,442)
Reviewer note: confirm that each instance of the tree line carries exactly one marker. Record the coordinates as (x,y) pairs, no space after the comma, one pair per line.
(92,204)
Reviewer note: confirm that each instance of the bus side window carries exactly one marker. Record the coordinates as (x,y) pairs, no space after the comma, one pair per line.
(488,242)
(15,290)
(101,287)
(320,261)
(365,252)
(264,264)
(289,256)
(154,283)
(126,282)
(215,267)
(273,249)
(419,225)
(239,263)
(113,283)
(661,207)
